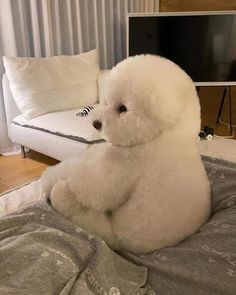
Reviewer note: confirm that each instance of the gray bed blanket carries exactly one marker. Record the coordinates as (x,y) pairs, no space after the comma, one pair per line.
(43,253)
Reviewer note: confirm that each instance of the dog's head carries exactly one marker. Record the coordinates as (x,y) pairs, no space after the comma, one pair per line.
(145,95)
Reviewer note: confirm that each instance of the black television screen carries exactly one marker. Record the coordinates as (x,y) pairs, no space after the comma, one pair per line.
(204,45)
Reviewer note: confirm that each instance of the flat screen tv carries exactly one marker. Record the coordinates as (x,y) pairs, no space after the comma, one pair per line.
(203,44)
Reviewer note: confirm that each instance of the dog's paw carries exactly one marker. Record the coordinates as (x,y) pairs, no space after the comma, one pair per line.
(64,201)
(47,181)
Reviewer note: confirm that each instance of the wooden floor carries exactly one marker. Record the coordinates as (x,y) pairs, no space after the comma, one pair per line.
(15,171)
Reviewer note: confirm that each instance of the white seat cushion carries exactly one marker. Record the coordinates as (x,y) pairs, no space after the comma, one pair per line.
(65,124)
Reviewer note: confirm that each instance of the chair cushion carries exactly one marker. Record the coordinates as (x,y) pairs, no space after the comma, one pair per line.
(65,123)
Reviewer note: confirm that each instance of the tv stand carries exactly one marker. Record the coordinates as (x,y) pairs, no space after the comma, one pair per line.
(227,89)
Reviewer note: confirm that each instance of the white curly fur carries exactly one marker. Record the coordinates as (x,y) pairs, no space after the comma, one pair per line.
(146,188)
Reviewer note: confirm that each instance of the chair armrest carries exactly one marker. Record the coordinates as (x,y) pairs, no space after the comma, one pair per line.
(10,106)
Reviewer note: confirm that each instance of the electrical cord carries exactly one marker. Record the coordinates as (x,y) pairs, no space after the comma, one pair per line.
(225,123)
(224,136)
(228,127)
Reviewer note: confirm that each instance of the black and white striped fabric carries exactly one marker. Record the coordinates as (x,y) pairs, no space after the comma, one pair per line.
(85,111)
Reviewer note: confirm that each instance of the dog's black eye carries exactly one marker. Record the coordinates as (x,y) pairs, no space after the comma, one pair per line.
(122,109)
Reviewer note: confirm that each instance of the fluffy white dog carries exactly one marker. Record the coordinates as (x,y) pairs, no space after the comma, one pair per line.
(146,188)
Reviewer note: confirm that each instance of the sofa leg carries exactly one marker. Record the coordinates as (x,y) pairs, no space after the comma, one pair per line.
(22,152)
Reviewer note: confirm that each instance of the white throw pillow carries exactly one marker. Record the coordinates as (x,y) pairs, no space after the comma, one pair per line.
(102,82)
(50,84)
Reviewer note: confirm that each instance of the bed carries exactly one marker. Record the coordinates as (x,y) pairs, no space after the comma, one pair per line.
(43,253)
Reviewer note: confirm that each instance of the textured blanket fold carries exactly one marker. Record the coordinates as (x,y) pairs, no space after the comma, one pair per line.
(43,253)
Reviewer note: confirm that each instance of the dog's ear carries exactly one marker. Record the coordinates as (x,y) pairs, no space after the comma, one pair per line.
(169,103)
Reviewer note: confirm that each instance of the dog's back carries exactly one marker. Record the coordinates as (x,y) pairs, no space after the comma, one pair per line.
(170,201)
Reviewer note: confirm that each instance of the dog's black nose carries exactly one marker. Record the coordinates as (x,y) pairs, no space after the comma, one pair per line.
(97,124)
